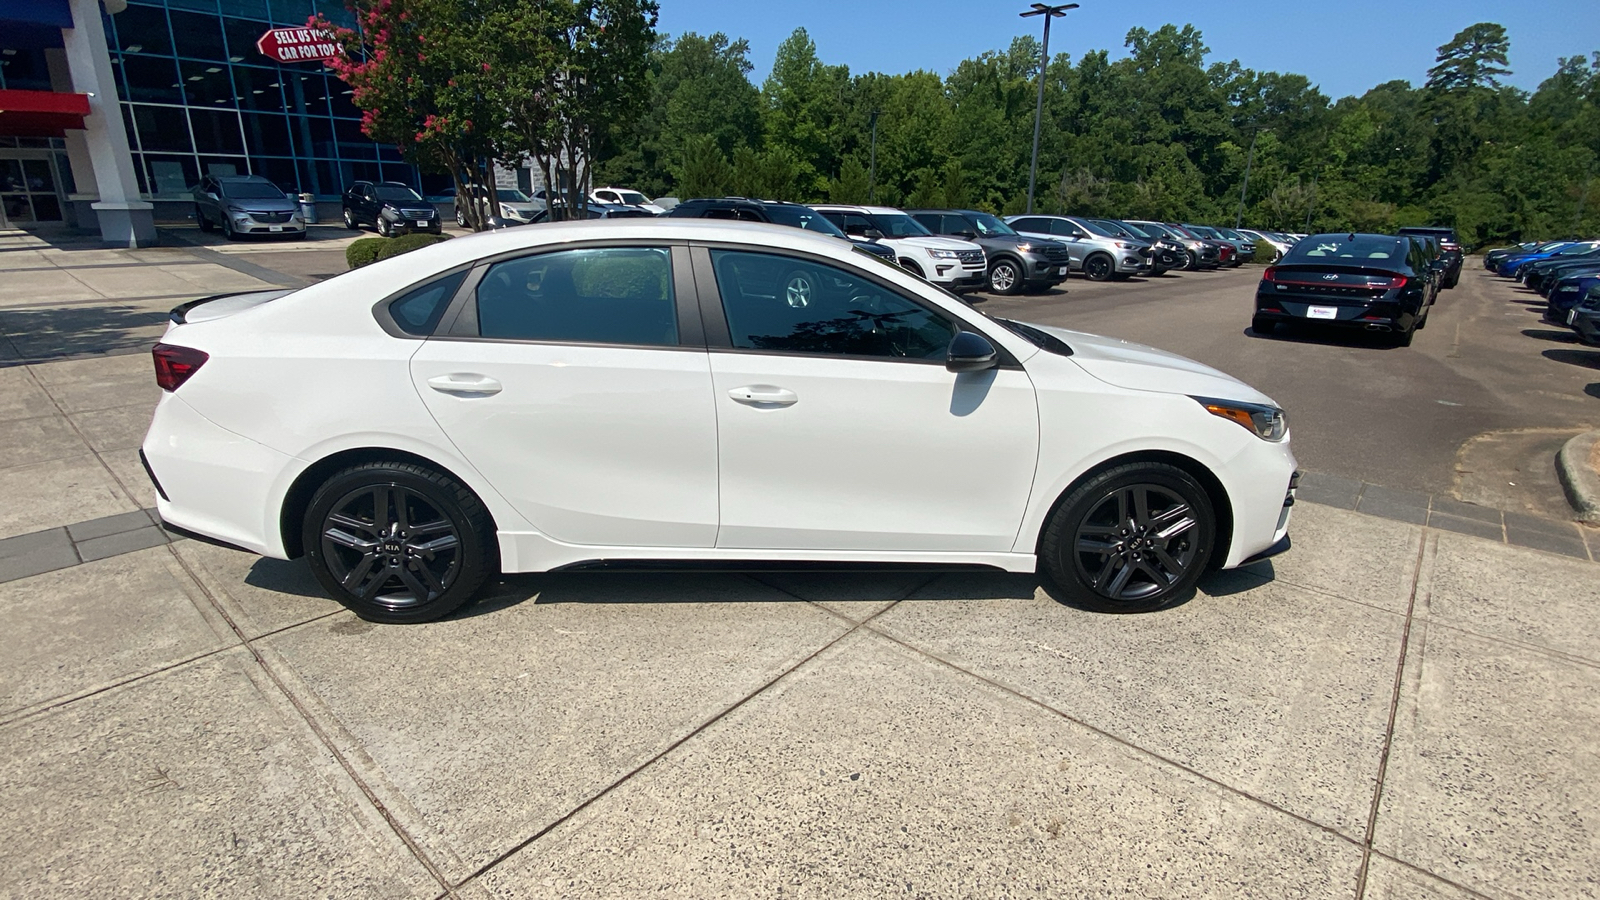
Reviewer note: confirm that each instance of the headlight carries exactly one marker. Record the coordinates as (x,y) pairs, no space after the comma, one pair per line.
(1266,422)
(1024,248)
(944,254)
(390,212)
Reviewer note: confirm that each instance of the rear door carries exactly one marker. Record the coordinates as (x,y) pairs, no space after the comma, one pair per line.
(577,382)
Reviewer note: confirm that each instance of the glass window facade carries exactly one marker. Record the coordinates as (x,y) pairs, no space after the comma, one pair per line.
(198,97)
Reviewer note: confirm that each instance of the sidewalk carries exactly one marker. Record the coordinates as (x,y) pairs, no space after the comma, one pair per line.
(1393,709)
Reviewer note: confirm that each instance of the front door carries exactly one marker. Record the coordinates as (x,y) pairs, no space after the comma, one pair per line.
(570,382)
(839,427)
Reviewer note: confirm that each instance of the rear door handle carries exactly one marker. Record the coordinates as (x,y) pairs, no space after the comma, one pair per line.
(764,395)
(464,383)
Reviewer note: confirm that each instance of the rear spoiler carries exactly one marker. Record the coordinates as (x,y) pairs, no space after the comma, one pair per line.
(242,300)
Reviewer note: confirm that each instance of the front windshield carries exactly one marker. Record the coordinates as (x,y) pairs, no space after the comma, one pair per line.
(511,195)
(898,225)
(1129,230)
(1155,230)
(1576,249)
(396,192)
(988,225)
(802,217)
(633,198)
(1097,228)
(250,190)
(1553,245)
(1201,231)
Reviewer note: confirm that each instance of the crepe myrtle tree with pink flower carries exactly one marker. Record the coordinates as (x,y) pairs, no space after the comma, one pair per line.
(456,84)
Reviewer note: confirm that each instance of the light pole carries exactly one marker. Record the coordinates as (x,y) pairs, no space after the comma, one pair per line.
(872,171)
(1238,218)
(1049,12)
(1312,203)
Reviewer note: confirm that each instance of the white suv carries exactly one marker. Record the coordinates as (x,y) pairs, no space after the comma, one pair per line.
(951,263)
(626,197)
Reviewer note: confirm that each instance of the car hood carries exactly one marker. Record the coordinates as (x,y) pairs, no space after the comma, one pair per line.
(1014,239)
(526,209)
(264,205)
(1141,368)
(934,242)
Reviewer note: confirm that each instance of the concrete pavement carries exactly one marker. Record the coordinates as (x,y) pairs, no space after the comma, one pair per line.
(1393,709)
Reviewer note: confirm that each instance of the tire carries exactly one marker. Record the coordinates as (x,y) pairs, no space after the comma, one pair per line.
(424,557)
(227,229)
(461,218)
(1005,277)
(200,218)
(911,266)
(798,288)
(1099,267)
(1403,338)
(1263,326)
(1138,571)
(350,221)
(384,228)
(1191,262)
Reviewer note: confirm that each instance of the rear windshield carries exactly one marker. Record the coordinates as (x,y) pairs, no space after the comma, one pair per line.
(1338,246)
(250,190)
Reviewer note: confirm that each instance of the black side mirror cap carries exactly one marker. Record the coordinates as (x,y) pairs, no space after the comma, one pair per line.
(873,234)
(970,352)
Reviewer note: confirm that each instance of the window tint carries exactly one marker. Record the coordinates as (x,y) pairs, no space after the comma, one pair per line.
(1035,225)
(1335,247)
(1065,228)
(788,305)
(418,312)
(608,296)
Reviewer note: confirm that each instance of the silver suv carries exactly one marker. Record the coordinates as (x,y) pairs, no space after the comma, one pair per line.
(1094,249)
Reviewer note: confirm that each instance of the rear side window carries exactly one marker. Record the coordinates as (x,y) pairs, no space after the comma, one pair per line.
(1035,225)
(1326,247)
(418,311)
(598,296)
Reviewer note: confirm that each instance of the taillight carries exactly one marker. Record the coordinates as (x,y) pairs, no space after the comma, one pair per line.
(175,364)
(1271,274)
(1395,281)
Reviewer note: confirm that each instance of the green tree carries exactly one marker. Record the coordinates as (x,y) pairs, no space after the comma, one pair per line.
(1475,57)
(804,107)
(702,170)
(851,185)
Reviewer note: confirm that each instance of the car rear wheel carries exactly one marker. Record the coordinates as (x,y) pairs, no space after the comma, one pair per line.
(1134,538)
(350,221)
(1099,267)
(398,542)
(461,218)
(200,218)
(1005,277)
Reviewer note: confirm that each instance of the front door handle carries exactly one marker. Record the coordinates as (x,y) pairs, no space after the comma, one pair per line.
(464,383)
(764,396)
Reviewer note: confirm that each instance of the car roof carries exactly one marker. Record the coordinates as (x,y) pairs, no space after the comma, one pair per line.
(856,207)
(235,179)
(751,200)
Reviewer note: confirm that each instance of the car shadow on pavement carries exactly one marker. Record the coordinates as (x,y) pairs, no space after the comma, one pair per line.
(1586,358)
(78,331)
(1593,390)
(1550,334)
(285,576)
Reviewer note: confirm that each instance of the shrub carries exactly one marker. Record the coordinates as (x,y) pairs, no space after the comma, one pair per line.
(406,243)
(1266,254)
(363,251)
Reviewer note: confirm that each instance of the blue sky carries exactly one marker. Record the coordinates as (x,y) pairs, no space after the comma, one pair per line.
(1345,46)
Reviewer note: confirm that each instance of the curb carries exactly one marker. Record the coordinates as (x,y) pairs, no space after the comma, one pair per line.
(1579,477)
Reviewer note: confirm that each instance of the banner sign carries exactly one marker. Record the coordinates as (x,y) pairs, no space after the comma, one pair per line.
(288,45)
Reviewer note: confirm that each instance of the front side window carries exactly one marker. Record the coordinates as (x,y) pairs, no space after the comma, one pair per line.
(988,226)
(395,193)
(787,305)
(596,296)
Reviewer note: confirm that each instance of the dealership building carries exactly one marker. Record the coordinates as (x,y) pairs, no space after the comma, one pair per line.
(111,110)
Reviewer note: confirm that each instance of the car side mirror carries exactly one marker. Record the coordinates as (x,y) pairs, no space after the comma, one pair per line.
(969,235)
(970,352)
(872,234)
(210,195)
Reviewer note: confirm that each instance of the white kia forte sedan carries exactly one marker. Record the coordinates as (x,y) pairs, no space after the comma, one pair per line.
(686,392)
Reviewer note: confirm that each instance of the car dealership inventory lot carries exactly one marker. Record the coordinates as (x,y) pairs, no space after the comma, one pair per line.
(186,720)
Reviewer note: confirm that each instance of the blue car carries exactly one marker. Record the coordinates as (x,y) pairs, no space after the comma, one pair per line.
(1585,318)
(1512,265)
(1566,294)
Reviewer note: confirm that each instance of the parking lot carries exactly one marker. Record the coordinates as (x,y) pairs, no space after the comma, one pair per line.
(1401,706)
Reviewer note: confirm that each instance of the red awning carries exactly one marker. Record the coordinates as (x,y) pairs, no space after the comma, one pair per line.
(41,113)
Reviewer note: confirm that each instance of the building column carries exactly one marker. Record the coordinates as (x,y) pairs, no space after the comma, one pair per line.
(125,220)
(85,190)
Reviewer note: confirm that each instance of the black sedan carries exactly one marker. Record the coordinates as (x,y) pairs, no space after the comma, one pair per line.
(1371,282)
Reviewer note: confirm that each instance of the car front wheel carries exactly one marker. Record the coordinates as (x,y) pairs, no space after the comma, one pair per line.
(1005,277)
(1134,538)
(1099,268)
(398,542)
(384,228)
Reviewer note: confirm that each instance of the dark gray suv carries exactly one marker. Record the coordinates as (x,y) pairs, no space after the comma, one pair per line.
(1016,263)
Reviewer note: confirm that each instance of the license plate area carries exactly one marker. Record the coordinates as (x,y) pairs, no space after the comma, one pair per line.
(1322,312)
(274,227)
(422,223)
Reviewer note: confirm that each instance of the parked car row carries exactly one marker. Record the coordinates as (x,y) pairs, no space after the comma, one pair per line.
(1565,273)
(1384,283)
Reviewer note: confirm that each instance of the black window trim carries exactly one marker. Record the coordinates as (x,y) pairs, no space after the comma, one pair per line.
(460,320)
(719,339)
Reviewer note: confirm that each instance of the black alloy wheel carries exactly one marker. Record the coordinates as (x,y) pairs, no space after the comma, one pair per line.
(1099,267)
(397,542)
(1135,538)
(1005,277)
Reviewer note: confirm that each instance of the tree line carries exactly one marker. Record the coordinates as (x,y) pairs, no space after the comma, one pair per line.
(592,93)
(1162,133)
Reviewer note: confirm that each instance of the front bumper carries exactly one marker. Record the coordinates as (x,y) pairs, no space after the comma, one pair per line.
(251,226)
(1041,269)
(1587,325)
